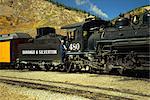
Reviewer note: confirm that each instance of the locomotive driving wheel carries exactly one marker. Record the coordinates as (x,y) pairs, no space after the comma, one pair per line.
(68,67)
(62,68)
(130,60)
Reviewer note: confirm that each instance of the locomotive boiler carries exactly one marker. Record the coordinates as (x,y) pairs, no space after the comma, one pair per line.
(126,45)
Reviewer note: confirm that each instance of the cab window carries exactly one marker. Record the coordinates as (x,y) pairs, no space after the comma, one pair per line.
(122,22)
(146,18)
(71,35)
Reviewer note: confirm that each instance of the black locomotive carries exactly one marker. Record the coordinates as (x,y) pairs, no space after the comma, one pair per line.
(97,45)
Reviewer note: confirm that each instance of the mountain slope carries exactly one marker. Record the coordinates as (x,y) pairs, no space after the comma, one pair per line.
(136,11)
(27,15)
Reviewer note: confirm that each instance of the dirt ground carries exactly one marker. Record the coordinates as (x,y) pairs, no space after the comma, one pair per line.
(40,85)
(9,92)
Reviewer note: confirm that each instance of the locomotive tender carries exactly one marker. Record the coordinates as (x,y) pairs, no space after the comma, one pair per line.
(25,52)
(43,52)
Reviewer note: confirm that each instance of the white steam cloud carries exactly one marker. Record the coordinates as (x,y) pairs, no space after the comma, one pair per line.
(80,2)
(92,7)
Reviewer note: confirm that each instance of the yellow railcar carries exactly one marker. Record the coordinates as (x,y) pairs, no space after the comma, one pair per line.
(8,47)
(5,52)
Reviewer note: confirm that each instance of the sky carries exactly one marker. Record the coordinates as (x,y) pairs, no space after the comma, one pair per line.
(105,9)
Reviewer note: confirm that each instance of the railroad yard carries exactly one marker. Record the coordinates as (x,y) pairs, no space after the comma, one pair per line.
(41,85)
(55,50)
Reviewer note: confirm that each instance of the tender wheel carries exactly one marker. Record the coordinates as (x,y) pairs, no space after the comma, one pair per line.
(47,67)
(31,67)
(17,66)
(51,67)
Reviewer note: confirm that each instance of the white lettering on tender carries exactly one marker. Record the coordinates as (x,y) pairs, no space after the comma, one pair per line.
(39,52)
(47,51)
(28,51)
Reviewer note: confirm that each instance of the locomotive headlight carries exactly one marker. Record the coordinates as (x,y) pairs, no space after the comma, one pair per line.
(74,46)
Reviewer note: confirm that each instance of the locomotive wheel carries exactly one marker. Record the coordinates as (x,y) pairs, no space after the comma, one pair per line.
(108,68)
(51,68)
(78,68)
(62,68)
(70,68)
(74,67)
(47,67)
(31,67)
(91,70)
(20,66)
(17,66)
(86,68)
(120,71)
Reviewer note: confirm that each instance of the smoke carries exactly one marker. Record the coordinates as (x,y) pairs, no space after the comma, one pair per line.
(81,2)
(92,8)
(98,11)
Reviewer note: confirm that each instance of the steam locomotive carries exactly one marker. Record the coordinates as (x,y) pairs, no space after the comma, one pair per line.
(98,46)
(94,45)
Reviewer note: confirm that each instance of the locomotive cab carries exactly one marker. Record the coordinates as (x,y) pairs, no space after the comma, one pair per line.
(146,18)
(78,34)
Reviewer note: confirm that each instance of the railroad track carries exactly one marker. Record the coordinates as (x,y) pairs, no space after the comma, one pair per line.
(91,92)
